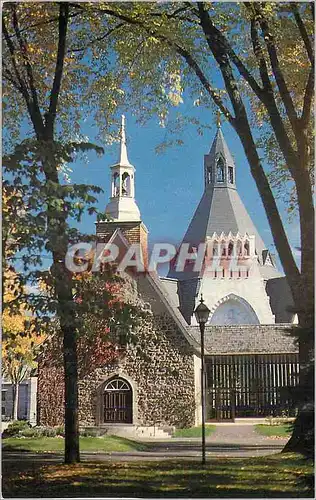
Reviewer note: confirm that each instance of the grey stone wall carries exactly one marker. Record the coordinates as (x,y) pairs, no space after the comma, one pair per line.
(159,368)
(247,339)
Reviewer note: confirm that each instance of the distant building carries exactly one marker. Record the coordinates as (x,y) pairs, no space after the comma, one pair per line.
(250,358)
(27,404)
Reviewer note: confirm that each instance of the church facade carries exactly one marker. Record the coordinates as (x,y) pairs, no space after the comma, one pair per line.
(250,357)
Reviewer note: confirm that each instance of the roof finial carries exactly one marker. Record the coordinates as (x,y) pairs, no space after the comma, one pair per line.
(218,119)
(123,159)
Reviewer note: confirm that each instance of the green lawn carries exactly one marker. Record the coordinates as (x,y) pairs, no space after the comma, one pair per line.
(194,431)
(282,430)
(93,444)
(275,476)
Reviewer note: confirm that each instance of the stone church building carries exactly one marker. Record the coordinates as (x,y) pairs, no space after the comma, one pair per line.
(250,357)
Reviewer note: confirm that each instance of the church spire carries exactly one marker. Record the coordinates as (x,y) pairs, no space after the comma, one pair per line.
(123,158)
(219,166)
(122,205)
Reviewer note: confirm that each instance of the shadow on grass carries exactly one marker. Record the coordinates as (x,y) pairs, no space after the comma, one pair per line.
(87,444)
(265,477)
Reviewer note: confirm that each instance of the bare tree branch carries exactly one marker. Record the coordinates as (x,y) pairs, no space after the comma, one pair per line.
(308,99)
(23,49)
(274,60)
(21,82)
(302,29)
(98,39)
(62,31)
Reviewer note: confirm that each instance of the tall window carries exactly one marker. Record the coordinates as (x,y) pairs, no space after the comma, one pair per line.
(126,184)
(208,176)
(231,175)
(116,185)
(220,171)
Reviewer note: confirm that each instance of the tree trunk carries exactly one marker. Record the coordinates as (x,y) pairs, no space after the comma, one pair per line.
(58,241)
(15,401)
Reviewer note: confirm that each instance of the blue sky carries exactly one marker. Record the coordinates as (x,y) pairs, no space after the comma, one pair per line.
(169,185)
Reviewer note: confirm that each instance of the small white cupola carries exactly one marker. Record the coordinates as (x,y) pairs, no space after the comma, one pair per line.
(122,205)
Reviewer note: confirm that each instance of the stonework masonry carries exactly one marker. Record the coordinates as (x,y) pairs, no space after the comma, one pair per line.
(161,372)
(159,368)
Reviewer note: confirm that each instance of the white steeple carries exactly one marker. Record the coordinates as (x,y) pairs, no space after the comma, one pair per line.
(123,158)
(122,206)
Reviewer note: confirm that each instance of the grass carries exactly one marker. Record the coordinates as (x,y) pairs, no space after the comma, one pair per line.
(56,444)
(194,431)
(282,430)
(275,476)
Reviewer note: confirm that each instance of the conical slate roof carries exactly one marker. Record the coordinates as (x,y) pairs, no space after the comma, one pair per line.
(219,146)
(220,210)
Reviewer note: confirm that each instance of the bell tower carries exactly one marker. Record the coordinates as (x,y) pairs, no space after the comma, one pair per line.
(122,205)
(219,166)
(122,212)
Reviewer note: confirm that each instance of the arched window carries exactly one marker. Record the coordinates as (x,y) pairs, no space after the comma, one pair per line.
(223,248)
(118,401)
(209,175)
(215,249)
(116,185)
(239,248)
(230,248)
(246,247)
(231,175)
(220,171)
(126,184)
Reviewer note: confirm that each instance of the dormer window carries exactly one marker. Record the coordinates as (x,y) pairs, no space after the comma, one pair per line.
(220,171)
(231,175)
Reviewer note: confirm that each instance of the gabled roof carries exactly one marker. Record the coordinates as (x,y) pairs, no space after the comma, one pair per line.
(160,293)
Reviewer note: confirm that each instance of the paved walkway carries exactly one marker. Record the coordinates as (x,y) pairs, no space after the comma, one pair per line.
(229,440)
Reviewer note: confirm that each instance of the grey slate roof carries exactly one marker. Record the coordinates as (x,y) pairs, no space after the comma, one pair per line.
(243,339)
(219,146)
(221,210)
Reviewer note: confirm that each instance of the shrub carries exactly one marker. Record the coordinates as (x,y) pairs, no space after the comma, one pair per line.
(60,431)
(89,433)
(15,428)
(35,432)
(49,432)
(40,431)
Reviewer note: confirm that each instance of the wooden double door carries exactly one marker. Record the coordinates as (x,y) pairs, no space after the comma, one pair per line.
(118,402)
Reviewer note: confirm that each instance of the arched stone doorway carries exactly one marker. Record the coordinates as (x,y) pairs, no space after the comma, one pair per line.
(117,402)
